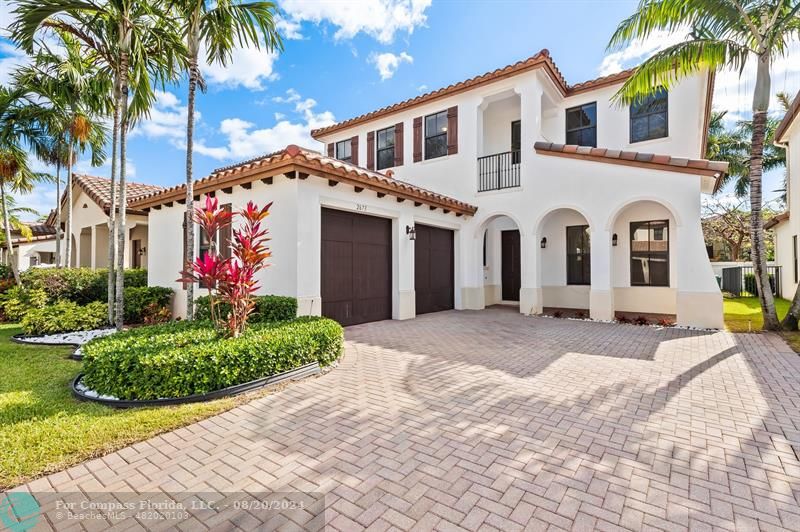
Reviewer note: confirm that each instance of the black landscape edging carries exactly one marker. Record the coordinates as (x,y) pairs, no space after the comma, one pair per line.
(293,374)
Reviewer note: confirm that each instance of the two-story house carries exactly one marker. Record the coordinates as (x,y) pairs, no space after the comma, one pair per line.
(786,226)
(512,187)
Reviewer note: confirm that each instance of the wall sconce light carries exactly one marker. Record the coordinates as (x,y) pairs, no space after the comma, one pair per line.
(142,251)
(411,231)
(614,239)
(543,243)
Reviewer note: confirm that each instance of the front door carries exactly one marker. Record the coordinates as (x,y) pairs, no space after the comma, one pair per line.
(510,259)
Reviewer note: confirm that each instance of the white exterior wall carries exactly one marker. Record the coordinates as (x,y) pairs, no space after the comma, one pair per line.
(791,227)
(25,251)
(554,192)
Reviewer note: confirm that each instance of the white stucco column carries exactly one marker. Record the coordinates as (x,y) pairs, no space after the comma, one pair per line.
(698,298)
(471,270)
(404,304)
(530,292)
(601,294)
(309,252)
(93,251)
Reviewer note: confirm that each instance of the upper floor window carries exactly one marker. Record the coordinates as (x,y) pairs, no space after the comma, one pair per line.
(582,125)
(385,148)
(344,150)
(436,135)
(650,253)
(649,117)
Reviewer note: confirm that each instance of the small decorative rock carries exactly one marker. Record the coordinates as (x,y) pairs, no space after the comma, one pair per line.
(74,338)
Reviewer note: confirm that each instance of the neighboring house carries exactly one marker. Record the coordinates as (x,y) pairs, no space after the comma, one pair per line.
(786,226)
(39,249)
(91,200)
(477,194)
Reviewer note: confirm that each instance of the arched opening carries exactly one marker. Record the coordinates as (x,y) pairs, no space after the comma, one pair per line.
(565,262)
(644,277)
(502,252)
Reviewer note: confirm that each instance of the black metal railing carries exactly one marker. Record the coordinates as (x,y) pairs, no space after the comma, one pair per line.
(498,171)
(740,281)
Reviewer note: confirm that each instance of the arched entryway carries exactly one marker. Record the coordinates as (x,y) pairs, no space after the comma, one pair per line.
(644,260)
(502,251)
(564,261)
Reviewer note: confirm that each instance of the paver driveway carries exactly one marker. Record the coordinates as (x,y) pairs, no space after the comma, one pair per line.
(491,419)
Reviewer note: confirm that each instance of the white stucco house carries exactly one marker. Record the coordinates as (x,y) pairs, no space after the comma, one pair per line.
(786,226)
(38,250)
(91,200)
(512,187)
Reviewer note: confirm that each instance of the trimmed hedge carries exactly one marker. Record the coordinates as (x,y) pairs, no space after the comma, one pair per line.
(750,283)
(268,309)
(65,316)
(79,285)
(186,358)
(140,300)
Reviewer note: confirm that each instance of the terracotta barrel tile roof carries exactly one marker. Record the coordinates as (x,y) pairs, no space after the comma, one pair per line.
(791,114)
(541,59)
(775,220)
(40,231)
(716,169)
(99,189)
(301,161)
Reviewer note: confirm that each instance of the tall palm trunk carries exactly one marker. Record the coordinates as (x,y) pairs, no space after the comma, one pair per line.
(760,107)
(112,228)
(58,211)
(68,225)
(7,227)
(189,258)
(120,277)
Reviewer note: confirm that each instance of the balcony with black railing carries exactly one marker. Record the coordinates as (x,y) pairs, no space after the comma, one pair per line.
(499,171)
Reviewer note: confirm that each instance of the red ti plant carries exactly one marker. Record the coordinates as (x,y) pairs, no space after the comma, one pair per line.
(230,280)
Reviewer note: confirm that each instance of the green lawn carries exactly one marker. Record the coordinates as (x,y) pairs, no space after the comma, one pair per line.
(44,429)
(743,314)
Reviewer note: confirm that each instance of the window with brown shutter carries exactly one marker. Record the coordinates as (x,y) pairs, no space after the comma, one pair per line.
(354,150)
(418,139)
(371,150)
(330,149)
(452,130)
(398,144)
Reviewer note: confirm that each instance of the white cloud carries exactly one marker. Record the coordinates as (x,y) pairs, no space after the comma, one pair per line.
(288,29)
(639,50)
(12,58)
(167,119)
(379,19)
(291,96)
(388,63)
(244,140)
(248,68)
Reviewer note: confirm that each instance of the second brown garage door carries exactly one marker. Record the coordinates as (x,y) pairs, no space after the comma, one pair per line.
(356,267)
(433,269)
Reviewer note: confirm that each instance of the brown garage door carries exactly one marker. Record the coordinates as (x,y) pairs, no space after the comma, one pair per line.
(356,267)
(433,269)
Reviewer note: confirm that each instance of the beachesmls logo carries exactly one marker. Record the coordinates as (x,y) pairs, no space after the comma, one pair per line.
(18,511)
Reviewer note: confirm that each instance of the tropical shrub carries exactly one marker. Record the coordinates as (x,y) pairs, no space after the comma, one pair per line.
(17,301)
(750,283)
(79,285)
(155,313)
(266,309)
(139,298)
(186,358)
(65,316)
(230,280)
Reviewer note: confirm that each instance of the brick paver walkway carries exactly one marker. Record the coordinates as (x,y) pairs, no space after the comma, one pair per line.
(491,420)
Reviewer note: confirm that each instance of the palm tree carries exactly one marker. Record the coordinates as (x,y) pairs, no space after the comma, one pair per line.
(15,212)
(725,34)
(733,147)
(76,92)
(135,43)
(218,28)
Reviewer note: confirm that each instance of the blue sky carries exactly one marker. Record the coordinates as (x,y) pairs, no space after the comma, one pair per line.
(343,58)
